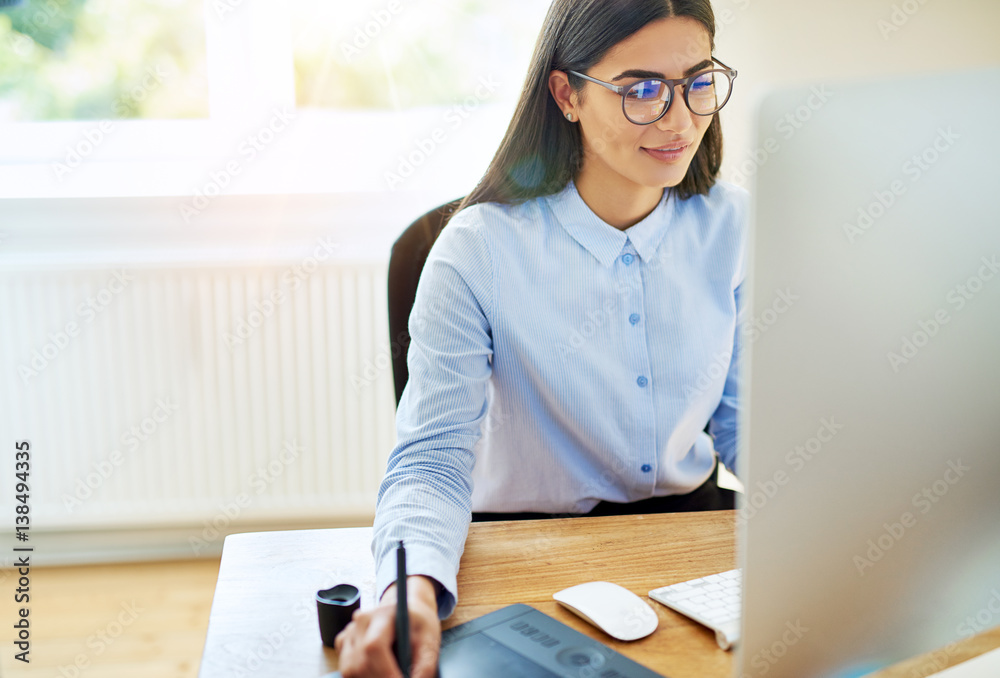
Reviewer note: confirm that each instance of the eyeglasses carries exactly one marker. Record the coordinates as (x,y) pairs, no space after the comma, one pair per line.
(647,101)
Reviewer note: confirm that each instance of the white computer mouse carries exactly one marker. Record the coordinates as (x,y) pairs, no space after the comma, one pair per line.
(611,608)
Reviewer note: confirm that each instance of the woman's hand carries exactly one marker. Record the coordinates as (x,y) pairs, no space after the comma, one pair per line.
(364,647)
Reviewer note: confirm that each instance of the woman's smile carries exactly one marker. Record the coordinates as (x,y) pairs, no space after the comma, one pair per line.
(670,153)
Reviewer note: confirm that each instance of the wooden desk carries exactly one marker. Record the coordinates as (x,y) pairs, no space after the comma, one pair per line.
(263,620)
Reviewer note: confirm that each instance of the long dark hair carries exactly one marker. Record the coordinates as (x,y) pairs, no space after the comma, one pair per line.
(541,150)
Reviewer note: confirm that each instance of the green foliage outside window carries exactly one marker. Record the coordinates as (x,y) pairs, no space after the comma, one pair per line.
(103,59)
(398,54)
(110,59)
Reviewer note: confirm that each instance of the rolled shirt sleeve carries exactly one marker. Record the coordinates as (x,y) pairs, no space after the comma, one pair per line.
(723,424)
(425,496)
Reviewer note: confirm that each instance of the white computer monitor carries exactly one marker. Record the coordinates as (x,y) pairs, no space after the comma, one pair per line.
(870,528)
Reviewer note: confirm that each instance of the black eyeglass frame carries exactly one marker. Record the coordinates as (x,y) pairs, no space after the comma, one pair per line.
(671,84)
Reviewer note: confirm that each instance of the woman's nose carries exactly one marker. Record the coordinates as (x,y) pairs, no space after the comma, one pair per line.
(678,117)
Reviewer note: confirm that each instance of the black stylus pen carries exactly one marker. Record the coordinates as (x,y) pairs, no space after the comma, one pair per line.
(402,613)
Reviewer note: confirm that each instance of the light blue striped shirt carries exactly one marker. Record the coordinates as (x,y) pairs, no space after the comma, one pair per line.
(557,361)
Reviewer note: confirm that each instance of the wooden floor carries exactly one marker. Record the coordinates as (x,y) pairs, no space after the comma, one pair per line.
(135,620)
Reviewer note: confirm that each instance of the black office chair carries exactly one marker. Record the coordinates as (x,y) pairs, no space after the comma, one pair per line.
(406,261)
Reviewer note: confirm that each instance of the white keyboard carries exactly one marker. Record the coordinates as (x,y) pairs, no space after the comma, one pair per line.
(714,601)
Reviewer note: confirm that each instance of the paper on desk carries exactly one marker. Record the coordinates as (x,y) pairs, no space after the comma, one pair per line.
(728,481)
(984,665)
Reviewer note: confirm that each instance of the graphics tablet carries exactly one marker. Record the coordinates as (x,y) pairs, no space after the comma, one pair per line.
(518,640)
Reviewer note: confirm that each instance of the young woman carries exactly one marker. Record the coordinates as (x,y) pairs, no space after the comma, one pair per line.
(575,326)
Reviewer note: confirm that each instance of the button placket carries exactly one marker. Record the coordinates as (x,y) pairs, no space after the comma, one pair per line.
(646,444)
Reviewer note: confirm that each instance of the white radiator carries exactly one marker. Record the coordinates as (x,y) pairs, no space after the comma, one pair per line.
(196,392)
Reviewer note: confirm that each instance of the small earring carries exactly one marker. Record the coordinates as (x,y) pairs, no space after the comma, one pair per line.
(569,116)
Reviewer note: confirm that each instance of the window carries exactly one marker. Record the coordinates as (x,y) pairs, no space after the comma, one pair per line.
(397,54)
(103,59)
(365,87)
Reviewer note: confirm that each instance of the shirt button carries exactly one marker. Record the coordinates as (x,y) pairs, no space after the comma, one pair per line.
(642,381)
(634,318)
(646,468)
(627,258)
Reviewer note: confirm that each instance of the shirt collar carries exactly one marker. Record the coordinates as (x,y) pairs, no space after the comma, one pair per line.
(602,239)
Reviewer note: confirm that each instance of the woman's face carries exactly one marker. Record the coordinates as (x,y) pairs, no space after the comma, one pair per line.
(615,149)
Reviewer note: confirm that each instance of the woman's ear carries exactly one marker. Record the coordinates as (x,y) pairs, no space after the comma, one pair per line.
(565,96)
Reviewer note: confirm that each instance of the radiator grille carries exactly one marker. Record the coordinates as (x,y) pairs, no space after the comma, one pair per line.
(182,393)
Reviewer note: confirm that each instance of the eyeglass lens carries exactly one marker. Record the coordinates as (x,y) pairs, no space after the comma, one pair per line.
(645,101)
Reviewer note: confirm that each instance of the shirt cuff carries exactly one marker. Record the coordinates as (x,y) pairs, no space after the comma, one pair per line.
(428,564)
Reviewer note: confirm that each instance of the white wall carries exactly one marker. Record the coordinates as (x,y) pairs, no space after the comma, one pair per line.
(783,42)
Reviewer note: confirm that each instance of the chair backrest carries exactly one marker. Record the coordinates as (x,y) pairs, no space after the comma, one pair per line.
(406,261)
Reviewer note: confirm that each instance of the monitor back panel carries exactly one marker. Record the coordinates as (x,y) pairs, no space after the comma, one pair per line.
(871,447)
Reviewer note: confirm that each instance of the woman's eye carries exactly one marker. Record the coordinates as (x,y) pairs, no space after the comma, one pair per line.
(702,83)
(647,89)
